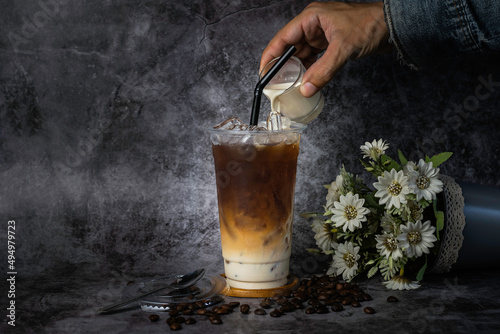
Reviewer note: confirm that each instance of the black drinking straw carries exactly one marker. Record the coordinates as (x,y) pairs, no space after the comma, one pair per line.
(259,88)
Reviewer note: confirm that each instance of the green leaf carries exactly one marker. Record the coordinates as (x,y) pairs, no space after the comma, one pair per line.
(370,262)
(314,250)
(438,159)
(427,159)
(439,219)
(402,158)
(309,215)
(371,201)
(391,164)
(372,271)
(421,272)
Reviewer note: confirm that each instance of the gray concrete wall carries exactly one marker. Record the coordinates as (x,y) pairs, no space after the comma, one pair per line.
(103,156)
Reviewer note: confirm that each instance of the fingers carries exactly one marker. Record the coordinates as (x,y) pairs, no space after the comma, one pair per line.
(323,69)
(274,49)
(291,34)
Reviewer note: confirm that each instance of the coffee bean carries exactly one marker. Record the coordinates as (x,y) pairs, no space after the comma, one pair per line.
(222,311)
(275,313)
(180,320)
(323,296)
(354,292)
(193,306)
(337,307)
(234,304)
(301,296)
(329,302)
(392,299)
(190,321)
(312,292)
(281,301)
(322,309)
(313,302)
(343,293)
(201,311)
(175,326)
(245,308)
(170,321)
(187,312)
(359,298)
(260,311)
(296,303)
(265,304)
(154,317)
(369,310)
(346,301)
(367,297)
(227,307)
(355,304)
(173,313)
(215,320)
(310,310)
(287,307)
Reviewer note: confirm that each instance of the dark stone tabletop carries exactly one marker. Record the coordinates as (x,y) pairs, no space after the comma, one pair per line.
(457,302)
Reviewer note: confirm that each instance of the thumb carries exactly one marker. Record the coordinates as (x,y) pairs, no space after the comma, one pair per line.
(321,72)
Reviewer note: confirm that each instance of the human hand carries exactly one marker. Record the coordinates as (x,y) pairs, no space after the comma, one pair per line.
(344,31)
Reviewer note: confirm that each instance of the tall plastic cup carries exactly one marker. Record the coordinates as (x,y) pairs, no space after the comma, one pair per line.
(255,176)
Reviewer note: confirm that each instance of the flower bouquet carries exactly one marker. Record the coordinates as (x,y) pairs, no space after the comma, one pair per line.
(393,229)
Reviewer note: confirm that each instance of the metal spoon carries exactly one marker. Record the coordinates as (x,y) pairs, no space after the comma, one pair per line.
(181,282)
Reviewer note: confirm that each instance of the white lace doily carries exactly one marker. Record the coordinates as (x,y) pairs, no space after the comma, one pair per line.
(454,225)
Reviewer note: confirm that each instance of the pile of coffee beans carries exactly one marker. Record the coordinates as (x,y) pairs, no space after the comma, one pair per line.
(183,313)
(317,294)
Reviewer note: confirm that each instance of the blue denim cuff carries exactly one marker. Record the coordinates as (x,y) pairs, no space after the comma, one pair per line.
(425,30)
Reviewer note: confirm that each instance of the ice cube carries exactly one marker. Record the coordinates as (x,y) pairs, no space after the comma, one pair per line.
(274,121)
(285,122)
(257,128)
(231,123)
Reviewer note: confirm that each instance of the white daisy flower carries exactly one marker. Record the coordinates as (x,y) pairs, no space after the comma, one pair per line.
(374,149)
(334,191)
(326,240)
(417,238)
(409,168)
(392,188)
(401,283)
(424,182)
(388,222)
(349,212)
(387,244)
(345,261)
(413,213)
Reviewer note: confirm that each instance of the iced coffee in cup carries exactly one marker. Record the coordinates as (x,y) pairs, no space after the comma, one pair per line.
(255,174)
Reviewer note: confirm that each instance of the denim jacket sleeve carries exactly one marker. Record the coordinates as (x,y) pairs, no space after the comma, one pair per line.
(426,30)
